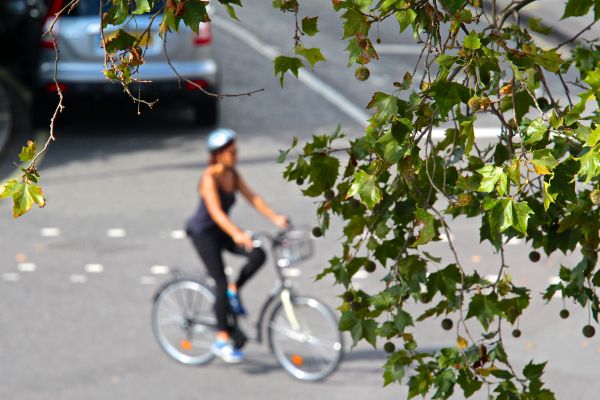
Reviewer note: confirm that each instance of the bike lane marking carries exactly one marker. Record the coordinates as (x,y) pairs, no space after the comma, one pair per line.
(317,85)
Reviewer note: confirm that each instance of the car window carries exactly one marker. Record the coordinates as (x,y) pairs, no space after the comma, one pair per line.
(91,7)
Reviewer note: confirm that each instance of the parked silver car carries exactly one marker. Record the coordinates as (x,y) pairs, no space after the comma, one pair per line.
(81,62)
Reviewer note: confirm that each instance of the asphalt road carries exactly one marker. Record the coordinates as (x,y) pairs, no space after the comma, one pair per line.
(76,278)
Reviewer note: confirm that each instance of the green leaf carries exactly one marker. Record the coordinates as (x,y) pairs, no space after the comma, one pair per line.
(312,55)
(589,164)
(194,13)
(323,174)
(548,197)
(309,25)
(231,12)
(535,131)
(543,161)
(356,22)
(491,175)
(453,5)
(283,64)
(389,147)
(119,41)
(535,24)
(577,8)
(468,383)
(118,12)
(484,308)
(501,217)
(28,152)
(24,195)
(386,105)
(522,212)
(405,18)
(366,187)
(402,320)
(472,41)
(427,232)
(142,6)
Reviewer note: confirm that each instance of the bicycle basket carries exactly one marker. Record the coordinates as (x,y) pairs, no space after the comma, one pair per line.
(293,247)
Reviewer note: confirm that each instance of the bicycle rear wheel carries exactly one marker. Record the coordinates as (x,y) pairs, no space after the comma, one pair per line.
(183,320)
(312,349)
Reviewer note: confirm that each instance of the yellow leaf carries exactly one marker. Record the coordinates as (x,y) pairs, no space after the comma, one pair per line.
(462,342)
(407,337)
(541,170)
(486,371)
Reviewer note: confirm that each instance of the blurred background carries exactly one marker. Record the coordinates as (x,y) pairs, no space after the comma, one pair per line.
(77,278)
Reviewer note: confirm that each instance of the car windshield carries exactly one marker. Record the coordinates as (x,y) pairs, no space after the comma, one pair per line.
(91,7)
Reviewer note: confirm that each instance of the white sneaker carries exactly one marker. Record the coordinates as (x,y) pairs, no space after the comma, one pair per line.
(226,351)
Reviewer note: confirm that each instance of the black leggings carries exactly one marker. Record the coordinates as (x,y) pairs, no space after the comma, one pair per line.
(210,246)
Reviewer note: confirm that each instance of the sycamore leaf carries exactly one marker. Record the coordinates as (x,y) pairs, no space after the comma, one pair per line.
(589,164)
(312,55)
(386,105)
(194,13)
(427,232)
(491,174)
(119,41)
(535,131)
(366,187)
(548,197)
(522,212)
(535,24)
(141,7)
(282,64)
(472,41)
(577,8)
(309,25)
(27,152)
(543,161)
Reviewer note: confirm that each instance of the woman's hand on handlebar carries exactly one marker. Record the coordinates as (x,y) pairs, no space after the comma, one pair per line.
(281,221)
(243,239)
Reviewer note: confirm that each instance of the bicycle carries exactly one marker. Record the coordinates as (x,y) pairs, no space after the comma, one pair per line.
(302,332)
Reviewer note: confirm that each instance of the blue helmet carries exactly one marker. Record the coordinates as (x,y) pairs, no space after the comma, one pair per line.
(219,138)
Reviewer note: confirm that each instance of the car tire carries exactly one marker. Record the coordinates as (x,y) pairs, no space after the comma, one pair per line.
(206,111)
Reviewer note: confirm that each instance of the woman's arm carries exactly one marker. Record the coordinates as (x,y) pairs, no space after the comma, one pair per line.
(210,196)
(260,205)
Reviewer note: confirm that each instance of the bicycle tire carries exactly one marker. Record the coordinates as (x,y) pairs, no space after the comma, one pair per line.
(183,320)
(303,354)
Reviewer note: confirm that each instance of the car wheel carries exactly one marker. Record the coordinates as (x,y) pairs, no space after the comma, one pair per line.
(206,111)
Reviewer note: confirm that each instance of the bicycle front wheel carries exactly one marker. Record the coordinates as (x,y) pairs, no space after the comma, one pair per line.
(307,343)
(183,320)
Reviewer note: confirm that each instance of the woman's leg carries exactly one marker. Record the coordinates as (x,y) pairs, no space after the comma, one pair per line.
(256,258)
(209,248)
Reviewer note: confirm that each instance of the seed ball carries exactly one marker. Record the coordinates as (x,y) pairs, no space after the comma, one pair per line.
(389,347)
(516,333)
(588,331)
(378,40)
(348,297)
(300,181)
(564,313)
(447,324)
(362,73)
(534,256)
(329,194)
(317,232)
(595,196)
(370,266)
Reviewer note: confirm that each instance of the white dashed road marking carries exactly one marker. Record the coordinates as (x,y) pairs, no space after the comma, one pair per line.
(77,278)
(159,269)
(148,280)
(94,268)
(11,277)
(178,234)
(50,232)
(116,233)
(26,267)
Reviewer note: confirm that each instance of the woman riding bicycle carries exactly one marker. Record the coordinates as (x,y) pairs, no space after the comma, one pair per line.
(212,231)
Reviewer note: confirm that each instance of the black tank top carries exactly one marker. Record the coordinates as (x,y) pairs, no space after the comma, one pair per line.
(201,221)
